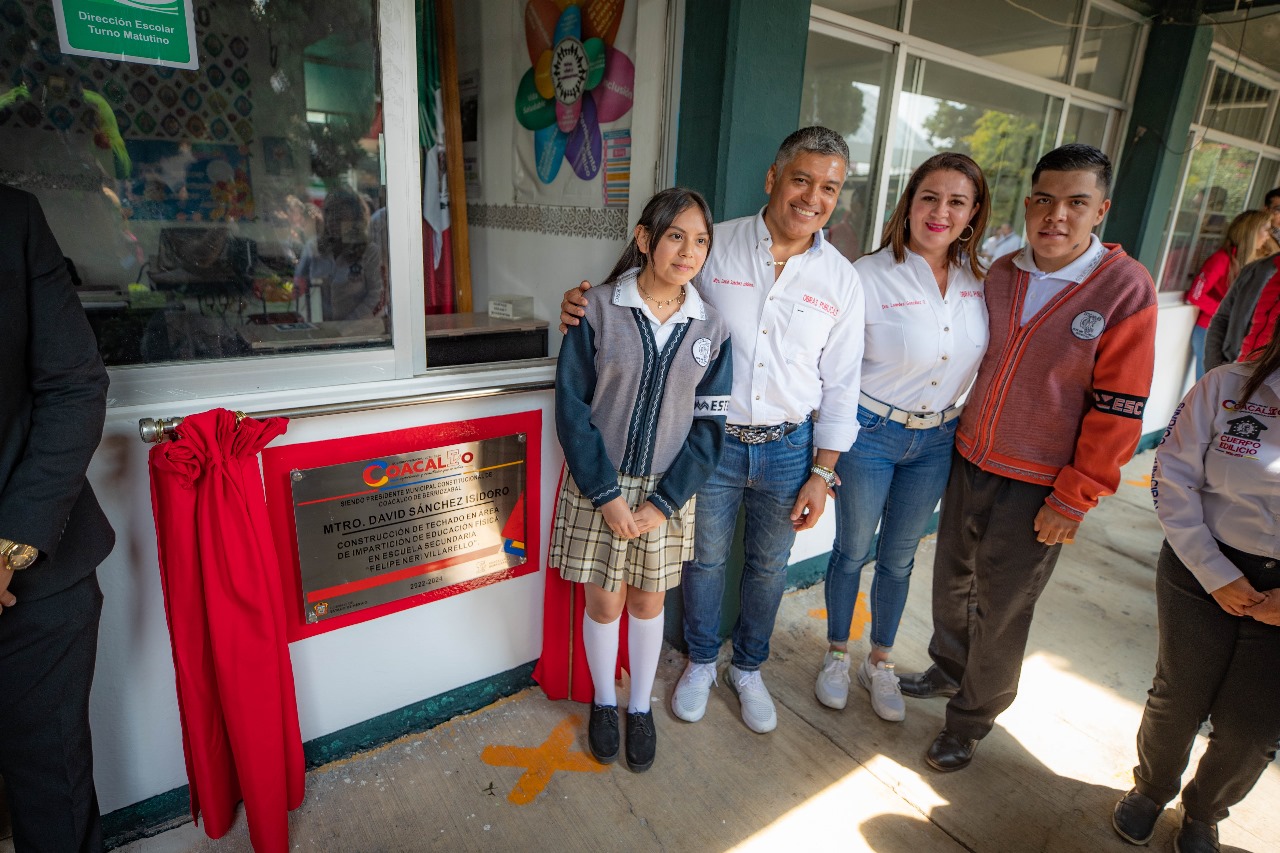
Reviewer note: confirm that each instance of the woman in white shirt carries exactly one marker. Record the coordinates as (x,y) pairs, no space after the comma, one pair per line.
(926,331)
(1216,484)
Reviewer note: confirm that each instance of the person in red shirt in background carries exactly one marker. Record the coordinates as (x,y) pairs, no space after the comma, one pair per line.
(1248,239)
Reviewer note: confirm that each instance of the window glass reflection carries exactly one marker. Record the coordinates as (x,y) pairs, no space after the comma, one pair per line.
(1236,105)
(887,13)
(1106,53)
(1034,36)
(843,83)
(1087,126)
(232,210)
(1003,127)
(1215,190)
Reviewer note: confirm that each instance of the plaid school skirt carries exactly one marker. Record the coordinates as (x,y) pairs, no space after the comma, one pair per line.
(586,551)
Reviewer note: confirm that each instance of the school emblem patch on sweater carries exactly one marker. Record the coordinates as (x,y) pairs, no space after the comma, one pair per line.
(1087,325)
(702,351)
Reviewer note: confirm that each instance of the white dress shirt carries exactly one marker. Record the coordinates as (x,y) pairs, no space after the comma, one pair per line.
(797,341)
(922,349)
(1217,474)
(1043,286)
(629,295)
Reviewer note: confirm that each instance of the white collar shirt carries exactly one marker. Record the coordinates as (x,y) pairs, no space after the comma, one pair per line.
(1217,474)
(1043,286)
(797,340)
(922,349)
(626,293)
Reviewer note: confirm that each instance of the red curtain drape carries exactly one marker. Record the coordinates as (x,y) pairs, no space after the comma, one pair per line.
(562,670)
(223,603)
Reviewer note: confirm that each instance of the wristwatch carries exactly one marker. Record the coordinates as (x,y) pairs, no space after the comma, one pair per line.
(828,476)
(19,556)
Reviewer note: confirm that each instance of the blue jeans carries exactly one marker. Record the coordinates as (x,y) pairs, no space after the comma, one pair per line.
(766,478)
(1198,336)
(892,477)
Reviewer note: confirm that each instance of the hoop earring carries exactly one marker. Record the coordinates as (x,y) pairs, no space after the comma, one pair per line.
(965,238)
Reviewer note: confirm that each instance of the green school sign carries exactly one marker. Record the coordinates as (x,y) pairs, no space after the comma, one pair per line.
(151,32)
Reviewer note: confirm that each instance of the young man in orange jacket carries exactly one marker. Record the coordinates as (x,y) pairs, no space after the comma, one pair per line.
(1054,413)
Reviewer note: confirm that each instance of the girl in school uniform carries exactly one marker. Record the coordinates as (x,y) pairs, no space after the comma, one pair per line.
(1216,484)
(642,386)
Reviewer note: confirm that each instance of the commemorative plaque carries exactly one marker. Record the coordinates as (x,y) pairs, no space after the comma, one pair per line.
(377,530)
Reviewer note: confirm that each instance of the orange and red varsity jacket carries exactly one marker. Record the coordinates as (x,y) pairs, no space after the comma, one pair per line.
(1059,401)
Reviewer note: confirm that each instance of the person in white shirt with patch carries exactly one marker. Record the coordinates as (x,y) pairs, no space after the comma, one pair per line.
(1216,484)
(795,312)
(926,333)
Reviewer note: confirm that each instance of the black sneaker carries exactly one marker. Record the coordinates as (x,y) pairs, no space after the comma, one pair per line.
(642,740)
(1134,817)
(602,733)
(1196,836)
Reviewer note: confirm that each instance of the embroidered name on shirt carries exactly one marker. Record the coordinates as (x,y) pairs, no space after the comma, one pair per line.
(732,282)
(1124,405)
(1251,408)
(888,305)
(825,307)
(971,294)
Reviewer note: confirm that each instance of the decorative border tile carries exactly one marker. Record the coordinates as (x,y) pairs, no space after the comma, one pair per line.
(589,222)
(43,181)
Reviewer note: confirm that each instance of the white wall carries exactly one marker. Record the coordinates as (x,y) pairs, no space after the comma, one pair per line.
(356,673)
(342,677)
(1173,374)
(507,261)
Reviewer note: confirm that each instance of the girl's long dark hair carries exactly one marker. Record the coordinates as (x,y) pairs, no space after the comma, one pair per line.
(897,229)
(656,220)
(1266,362)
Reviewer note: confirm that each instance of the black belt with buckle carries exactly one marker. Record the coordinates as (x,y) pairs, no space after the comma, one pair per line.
(762,434)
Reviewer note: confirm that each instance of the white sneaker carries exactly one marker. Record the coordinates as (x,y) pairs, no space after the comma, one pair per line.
(689,701)
(757,705)
(832,688)
(882,684)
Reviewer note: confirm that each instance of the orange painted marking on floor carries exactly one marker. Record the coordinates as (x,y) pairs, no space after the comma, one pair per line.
(542,762)
(1142,482)
(861,617)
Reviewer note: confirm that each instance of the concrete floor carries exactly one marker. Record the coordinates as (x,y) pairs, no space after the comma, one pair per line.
(1045,780)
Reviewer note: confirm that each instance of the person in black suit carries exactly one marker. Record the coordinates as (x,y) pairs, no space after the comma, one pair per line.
(53,535)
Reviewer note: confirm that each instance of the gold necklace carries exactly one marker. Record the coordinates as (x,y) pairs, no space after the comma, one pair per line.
(677,299)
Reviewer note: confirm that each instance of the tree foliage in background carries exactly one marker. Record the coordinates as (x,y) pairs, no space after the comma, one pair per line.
(1006,146)
(832,101)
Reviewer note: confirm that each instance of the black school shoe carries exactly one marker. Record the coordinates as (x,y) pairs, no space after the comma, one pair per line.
(1196,836)
(950,752)
(926,685)
(1134,817)
(642,740)
(602,733)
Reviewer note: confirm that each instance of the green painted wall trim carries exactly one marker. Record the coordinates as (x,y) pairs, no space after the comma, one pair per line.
(173,808)
(741,82)
(1149,441)
(150,817)
(1173,71)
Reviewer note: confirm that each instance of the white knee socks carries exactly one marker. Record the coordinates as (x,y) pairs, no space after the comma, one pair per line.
(644,646)
(601,641)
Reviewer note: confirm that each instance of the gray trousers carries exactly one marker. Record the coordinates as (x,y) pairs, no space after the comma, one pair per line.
(987,576)
(1213,666)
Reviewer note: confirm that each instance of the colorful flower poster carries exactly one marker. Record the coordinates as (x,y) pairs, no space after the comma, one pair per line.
(577,81)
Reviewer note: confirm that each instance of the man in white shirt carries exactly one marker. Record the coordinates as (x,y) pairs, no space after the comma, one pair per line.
(795,311)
